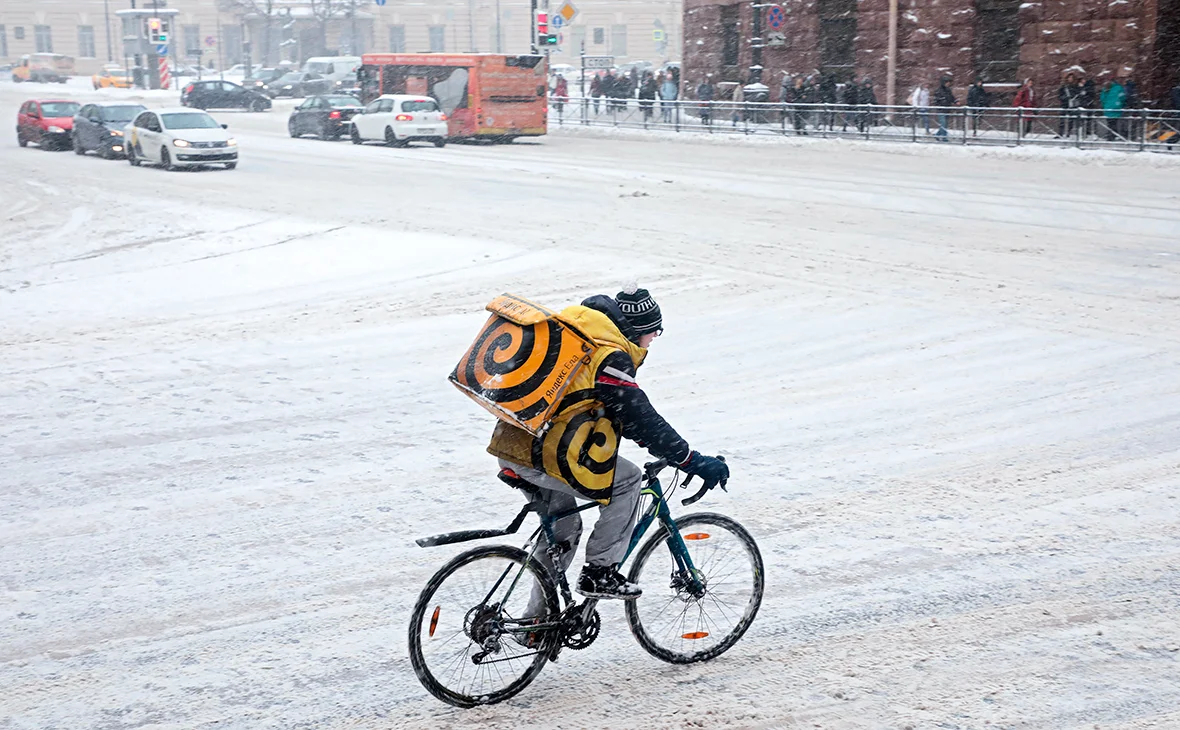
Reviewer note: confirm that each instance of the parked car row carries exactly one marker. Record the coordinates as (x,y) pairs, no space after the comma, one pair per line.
(395,119)
(171,138)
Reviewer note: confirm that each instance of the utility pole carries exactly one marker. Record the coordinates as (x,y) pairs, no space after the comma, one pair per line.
(356,46)
(106,10)
(533,26)
(756,44)
(499,36)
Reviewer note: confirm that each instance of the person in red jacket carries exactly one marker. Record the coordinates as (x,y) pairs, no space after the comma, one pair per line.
(561,93)
(1026,99)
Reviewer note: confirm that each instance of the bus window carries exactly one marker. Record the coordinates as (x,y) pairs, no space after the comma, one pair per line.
(369,83)
(451,92)
(447,84)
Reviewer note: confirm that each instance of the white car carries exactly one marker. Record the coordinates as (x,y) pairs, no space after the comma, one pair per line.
(179,137)
(397,119)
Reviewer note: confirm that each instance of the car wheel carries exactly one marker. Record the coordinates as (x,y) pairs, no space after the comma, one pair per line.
(356,136)
(131,158)
(78,149)
(391,138)
(20,138)
(230,165)
(324,133)
(291,128)
(165,159)
(258,105)
(440,142)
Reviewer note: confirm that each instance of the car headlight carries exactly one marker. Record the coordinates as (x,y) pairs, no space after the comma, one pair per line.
(56,129)
(231,142)
(287,86)
(115,133)
(181,143)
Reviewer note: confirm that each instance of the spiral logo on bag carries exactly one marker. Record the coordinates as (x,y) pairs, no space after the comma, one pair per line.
(513,366)
(586,449)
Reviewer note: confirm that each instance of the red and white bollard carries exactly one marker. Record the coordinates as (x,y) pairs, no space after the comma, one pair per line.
(165,77)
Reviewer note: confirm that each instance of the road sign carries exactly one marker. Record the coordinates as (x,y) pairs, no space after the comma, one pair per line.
(567,12)
(161,49)
(657,35)
(556,22)
(598,61)
(776,40)
(210,41)
(776,18)
(380,2)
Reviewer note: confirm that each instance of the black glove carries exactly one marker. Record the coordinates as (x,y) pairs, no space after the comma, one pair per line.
(711,469)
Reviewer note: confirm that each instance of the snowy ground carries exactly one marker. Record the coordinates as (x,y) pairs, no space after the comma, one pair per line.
(947,385)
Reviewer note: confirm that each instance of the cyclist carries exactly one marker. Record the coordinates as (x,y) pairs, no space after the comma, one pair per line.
(578,456)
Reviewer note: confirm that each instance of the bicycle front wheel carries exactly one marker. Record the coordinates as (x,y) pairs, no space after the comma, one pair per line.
(679,626)
(469,638)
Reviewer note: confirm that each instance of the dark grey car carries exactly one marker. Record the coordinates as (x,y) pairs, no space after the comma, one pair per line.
(99,127)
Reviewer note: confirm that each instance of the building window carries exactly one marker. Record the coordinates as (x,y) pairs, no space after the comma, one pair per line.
(578,38)
(618,40)
(3,42)
(397,39)
(43,39)
(438,38)
(86,41)
(192,40)
(19,32)
(837,38)
(231,44)
(730,43)
(997,40)
(599,36)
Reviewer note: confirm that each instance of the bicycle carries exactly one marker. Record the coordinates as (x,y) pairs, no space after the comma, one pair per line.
(472,642)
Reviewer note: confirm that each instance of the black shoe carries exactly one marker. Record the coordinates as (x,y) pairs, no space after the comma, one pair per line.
(606,582)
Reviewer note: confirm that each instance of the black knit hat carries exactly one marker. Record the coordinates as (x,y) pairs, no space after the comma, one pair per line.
(640,310)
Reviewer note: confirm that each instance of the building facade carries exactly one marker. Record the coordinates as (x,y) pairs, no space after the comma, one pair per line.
(1001,41)
(221,33)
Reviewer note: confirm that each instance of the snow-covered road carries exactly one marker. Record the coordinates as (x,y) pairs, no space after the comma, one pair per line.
(948,384)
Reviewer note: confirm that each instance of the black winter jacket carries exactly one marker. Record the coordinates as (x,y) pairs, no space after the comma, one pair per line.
(625,402)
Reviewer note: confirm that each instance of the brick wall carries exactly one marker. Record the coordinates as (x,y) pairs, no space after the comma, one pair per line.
(937,37)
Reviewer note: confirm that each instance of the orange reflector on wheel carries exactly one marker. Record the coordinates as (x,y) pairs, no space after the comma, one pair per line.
(697,536)
(695,635)
(434,620)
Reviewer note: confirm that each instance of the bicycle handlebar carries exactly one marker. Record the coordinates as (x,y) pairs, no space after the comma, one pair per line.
(652,469)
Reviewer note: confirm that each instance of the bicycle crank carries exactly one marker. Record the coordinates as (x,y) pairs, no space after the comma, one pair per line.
(584,633)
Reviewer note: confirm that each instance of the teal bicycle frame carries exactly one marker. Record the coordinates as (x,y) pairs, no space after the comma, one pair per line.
(657,510)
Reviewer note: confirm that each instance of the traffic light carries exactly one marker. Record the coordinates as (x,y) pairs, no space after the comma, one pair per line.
(542,23)
(549,39)
(157,30)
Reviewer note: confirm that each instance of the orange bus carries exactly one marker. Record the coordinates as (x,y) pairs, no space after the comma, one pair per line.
(484,95)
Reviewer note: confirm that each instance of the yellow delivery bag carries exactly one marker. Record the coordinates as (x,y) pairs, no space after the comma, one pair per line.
(522,362)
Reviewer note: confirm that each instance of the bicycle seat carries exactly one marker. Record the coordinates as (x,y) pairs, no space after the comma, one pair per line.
(513,479)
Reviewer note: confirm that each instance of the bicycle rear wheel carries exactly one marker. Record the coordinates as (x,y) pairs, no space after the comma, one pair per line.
(672,623)
(469,641)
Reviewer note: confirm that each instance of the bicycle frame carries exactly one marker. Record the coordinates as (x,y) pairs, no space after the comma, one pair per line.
(658,509)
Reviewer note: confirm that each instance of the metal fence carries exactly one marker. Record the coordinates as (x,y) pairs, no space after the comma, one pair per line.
(1130,130)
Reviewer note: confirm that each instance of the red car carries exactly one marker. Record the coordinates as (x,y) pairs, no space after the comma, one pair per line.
(48,123)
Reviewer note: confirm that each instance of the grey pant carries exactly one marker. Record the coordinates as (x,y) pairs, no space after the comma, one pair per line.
(612,532)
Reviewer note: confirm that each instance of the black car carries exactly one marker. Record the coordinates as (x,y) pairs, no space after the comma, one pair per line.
(261,78)
(326,116)
(222,95)
(99,127)
(299,83)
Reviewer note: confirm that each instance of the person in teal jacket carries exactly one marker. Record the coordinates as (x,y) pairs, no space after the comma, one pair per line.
(1114,97)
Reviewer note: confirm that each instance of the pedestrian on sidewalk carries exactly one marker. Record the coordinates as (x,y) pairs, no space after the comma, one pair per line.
(943,100)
